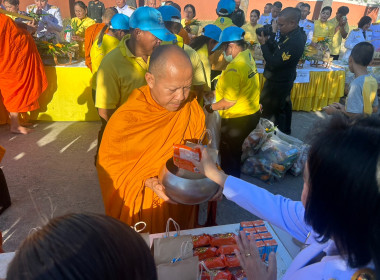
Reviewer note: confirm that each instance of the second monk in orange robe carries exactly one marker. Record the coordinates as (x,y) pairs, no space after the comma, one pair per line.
(139,139)
(22,74)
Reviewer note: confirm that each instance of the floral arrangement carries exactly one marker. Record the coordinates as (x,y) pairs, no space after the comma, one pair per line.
(60,49)
(75,26)
(36,16)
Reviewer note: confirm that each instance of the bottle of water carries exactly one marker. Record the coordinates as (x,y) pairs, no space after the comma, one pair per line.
(68,32)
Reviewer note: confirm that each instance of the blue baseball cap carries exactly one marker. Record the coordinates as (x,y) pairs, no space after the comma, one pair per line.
(169,13)
(120,21)
(212,31)
(227,5)
(150,19)
(230,34)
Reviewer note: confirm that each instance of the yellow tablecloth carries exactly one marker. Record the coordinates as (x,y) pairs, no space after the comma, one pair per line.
(69,98)
(324,88)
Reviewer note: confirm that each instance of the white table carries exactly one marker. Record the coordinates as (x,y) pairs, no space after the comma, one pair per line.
(284,259)
(5,259)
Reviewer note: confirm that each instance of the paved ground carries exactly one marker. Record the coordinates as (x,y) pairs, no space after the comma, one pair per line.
(51,172)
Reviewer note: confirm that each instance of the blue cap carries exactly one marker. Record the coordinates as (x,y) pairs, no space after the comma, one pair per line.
(230,34)
(149,19)
(169,13)
(212,31)
(120,21)
(227,5)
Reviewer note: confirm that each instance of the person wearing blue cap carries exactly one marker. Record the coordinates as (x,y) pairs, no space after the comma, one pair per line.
(204,44)
(237,98)
(172,20)
(123,69)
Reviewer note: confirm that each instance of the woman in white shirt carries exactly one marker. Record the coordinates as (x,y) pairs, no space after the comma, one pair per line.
(361,34)
(338,217)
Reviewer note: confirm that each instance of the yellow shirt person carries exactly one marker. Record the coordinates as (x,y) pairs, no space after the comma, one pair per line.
(337,38)
(239,83)
(250,33)
(97,53)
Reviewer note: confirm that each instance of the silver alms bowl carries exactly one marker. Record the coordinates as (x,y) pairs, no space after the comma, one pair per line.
(186,187)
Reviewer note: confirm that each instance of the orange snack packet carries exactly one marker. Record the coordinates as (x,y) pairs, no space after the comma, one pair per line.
(201,240)
(182,156)
(205,252)
(2,153)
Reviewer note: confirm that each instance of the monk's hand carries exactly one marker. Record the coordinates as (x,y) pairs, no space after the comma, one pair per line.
(251,262)
(155,185)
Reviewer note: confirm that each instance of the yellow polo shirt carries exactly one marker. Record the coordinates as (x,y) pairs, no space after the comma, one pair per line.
(250,33)
(240,83)
(337,38)
(119,73)
(204,57)
(98,53)
(84,24)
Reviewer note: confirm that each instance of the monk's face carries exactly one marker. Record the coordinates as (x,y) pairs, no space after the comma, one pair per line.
(171,88)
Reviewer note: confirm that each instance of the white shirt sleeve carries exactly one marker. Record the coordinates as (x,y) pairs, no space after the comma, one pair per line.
(276,209)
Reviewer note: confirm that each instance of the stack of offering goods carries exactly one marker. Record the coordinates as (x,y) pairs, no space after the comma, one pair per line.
(268,153)
(182,156)
(57,53)
(217,252)
(320,56)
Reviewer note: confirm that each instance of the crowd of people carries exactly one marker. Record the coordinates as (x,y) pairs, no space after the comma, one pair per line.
(156,77)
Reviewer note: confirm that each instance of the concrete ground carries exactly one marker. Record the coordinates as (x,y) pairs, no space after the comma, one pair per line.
(51,172)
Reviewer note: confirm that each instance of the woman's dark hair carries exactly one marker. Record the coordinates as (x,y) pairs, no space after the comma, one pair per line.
(242,43)
(191,7)
(13,2)
(257,12)
(199,42)
(343,201)
(328,8)
(83,246)
(81,4)
(363,21)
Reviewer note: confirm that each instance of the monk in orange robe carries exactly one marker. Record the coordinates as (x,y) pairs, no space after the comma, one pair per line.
(92,33)
(22,75)
(139,138)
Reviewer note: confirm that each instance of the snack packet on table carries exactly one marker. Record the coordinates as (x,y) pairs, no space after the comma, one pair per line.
(205,252)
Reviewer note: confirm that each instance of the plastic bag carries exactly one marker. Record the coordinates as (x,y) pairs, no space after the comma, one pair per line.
(272,160)
(263,131)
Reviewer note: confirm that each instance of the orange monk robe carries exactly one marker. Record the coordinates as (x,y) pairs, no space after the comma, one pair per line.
(90,36)
(137,141)
(22,74)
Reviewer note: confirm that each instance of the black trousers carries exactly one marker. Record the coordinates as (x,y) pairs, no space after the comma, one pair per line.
(277,105)
(102,128)
(233,133)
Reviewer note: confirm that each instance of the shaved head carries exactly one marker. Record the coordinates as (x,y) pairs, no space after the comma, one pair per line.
(169,77)
(166,56)
(291,14)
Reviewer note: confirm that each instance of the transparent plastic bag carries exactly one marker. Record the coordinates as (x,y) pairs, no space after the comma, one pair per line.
(257,138)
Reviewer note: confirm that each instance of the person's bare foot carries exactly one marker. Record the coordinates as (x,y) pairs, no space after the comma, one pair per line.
(21,130)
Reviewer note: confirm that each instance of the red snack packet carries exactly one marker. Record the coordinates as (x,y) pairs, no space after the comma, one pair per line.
(246,225)
(249,230)
(217,275)
(258,223)
(231,261)
(214,263)
(182,156)
(261,229)
(256,235)
(227,249)
(218,240)
(205,252)
(201,240)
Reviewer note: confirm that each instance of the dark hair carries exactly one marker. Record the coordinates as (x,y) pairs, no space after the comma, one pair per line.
(241,43)
(168,2)
(327,8)
(291,13)
(277,4)
(362,53)
(175,5)
(12,2)
(256,11)
(81,4)
(363,21)
(191,7)
(343,10)
(306,5)
(343,201)
(199,42)
(270,4)
(83,246)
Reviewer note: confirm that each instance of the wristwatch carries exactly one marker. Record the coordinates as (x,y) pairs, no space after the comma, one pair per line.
(209,109)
